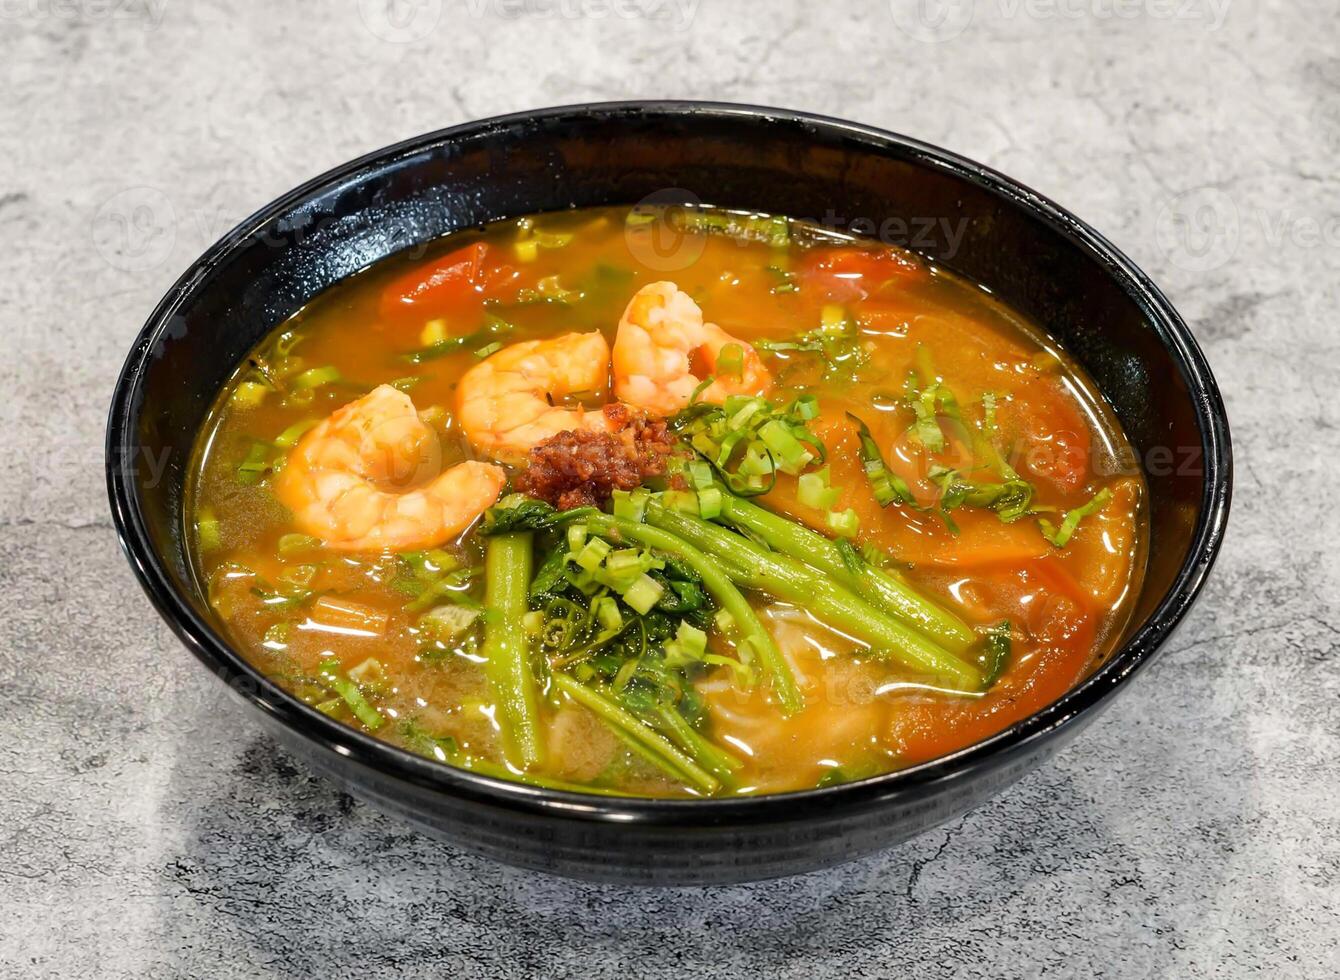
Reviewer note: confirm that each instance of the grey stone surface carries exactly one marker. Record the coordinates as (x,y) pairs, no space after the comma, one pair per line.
(150,830)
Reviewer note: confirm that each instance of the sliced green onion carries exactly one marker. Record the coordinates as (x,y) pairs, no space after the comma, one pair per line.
(592,554)
(576,536)
(255,464)
(488,349)
(607,612)
(249,394)
(730,360)
(292,545)
(643,594)
(812,490)
(1060,536)
(833,318)
(996,653)
(791,452)
(699,473)
(628,504)
(684,500)
(886,486)
(449,621)
(688,646)
(526,250)
(331,674)
(290,436)
(207,534)
(314,378)
(845,522)
(709,503)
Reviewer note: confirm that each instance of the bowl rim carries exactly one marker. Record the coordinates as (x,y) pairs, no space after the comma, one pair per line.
(212,650)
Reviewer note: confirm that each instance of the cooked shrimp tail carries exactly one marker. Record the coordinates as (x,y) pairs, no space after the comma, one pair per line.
(506,404)
(369,478)
(664,352)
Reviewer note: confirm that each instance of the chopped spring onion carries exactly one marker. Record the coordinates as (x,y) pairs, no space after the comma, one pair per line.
(699,474)
(276,637)
(255,465)
(709,503)
(346,614)
(812,490)
(607,613)
(488,349)
(717,581)
(292,545)
(334,677)
(494,326)
(643,594)
(314,378)
(887,486)
(433,332)
(290,436)
(748,440)
(630,504)
(774,230)
(249,394)
(688,646)
(448,622)
(845,523)
(297,576)
(1010,500)
(593,553)
(549,290)
(837,341)
(207,536)
(1060,536)
(730,361)
(926,428)
(832,319)
(369,673)
(685,500)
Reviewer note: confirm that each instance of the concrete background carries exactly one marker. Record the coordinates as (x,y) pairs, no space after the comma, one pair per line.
(150,830)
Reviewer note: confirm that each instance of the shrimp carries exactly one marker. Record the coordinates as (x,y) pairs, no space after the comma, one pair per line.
(505,404)
(369,478)
(663,352)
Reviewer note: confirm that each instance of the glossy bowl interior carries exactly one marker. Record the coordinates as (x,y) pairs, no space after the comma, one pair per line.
(1035,256)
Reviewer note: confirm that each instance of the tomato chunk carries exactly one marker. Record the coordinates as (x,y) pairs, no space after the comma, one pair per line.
(846,274)
(458,282)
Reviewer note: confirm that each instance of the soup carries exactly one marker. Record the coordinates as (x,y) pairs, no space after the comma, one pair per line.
(679,502)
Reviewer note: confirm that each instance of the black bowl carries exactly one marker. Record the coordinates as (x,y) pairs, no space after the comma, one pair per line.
(1031,253)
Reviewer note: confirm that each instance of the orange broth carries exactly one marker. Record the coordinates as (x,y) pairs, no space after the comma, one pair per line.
(288,604)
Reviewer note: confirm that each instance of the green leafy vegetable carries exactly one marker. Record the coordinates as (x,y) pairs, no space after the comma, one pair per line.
(887,486)
(1010,500)
(794,581)
(995,655)
(517,512)
(836,341)
(494,327)
(1060,536)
